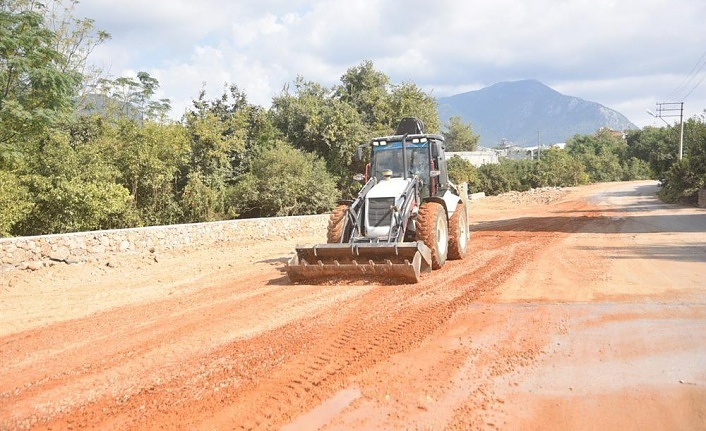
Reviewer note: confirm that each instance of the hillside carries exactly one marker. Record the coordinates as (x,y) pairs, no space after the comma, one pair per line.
(523,111)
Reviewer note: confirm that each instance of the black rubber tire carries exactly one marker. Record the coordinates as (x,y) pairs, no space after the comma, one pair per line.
(433,230)
(458,233)
(336,223)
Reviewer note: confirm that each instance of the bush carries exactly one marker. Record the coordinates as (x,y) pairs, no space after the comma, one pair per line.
(285,181)
(15,202)
(462,171)
(204,199)
(636,169)
(557,168)
(683,181)
(64,205)
(72,188)
(497,178)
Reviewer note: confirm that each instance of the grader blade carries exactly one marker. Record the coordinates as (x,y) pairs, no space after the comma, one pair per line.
(402,261)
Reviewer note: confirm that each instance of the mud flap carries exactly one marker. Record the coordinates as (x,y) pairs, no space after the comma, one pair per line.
(402,261)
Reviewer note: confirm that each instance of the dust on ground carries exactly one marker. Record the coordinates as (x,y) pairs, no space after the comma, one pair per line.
(577,308)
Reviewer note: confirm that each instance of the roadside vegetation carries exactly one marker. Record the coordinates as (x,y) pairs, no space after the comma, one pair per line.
(649,153)
(79,151)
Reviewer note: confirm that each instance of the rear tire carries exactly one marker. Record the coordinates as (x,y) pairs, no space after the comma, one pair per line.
(458,233)
(337,225)
(433,231)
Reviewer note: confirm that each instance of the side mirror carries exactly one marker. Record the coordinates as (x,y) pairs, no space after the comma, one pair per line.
(437,148)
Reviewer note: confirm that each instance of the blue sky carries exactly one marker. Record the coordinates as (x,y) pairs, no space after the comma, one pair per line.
(624,54)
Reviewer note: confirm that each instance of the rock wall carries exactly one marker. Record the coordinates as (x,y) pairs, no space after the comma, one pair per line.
(37,251)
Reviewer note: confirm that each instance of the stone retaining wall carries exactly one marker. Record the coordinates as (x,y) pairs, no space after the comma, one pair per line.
(37,251)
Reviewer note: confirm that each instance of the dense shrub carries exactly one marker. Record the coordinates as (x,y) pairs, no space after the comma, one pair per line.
(557,168)
(462,171)
(682,182)
(285,181)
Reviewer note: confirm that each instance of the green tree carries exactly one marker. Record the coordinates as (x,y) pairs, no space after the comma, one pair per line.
(298,113)
(695,138)
(285,181)
(684,178)
(150,158)
(213,145)
(408,100)
(462,171)
(522,173)
(682,182)
(331,123)
(602,168)
(204,199)
(636,169)
(15,202)
(218,132)
(381,104)
(497,178)
(73,188)
(260,135)
(600,154)
(557,168)
(75,38)
(459,136)
(36,87)
(368,92)
(328,127)
(654,145)
(133,98)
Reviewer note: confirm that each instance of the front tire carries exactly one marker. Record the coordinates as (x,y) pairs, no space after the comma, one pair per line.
(433,230)
(338,225)
(458,233)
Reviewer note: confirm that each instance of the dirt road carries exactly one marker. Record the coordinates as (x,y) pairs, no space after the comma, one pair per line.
(586,312)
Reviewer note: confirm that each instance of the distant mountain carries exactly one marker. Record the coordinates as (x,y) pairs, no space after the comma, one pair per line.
(519,111)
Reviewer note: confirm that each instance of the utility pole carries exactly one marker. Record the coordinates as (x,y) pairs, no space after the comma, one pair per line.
(669,109)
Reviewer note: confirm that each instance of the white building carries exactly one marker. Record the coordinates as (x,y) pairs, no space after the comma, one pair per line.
(476,158)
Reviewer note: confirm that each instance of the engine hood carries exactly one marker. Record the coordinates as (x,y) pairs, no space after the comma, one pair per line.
(391,188)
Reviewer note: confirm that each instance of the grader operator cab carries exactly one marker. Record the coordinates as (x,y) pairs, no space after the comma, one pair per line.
(408,218)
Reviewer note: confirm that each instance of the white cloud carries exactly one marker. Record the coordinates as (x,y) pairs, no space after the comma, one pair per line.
(621,54)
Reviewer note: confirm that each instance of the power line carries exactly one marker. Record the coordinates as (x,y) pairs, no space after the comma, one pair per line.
(690,76)
(694,87)
(689,79)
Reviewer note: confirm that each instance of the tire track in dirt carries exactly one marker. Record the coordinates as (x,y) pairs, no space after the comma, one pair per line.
(386,334)
(262,378)
(414,321)
(101,352)
(517,349)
